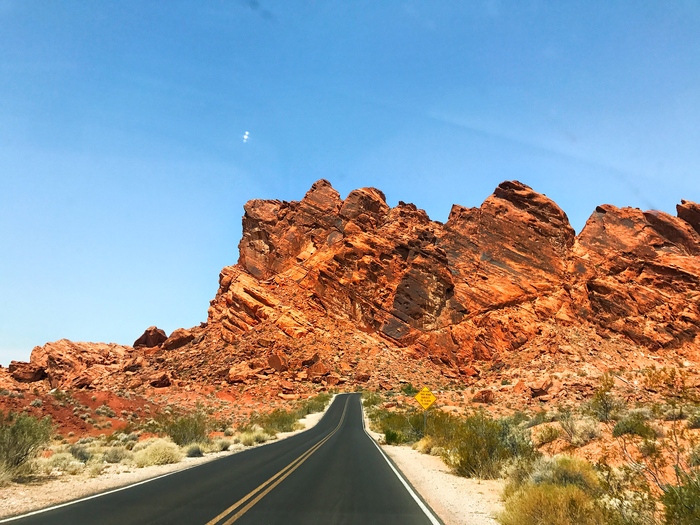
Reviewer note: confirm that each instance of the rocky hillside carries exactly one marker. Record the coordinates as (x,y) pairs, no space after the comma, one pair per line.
(334,293)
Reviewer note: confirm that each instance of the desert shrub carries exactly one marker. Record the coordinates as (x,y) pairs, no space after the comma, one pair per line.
(185,428)
(65,462)
(37,403)
(158,452)
(393,437)
(252,437)
(104,410)
(547,435)
(563,471)
(682,501)
(80,453)
(694,419)
(21,437)
(626,498)
(278,420)
(604,405)
(425,445)
(578,432)
(116,454)
(403,426)
(694,457)
(537,418)
(550,505)
(370,399)
(480,445)
(228,432)
(633,424)
(313,404)
(409,390)
(194,451)
(218,445)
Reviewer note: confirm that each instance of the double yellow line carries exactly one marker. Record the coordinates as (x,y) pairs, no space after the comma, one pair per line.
(263,489)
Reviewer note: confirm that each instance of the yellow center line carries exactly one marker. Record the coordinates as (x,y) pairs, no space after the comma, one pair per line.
(271,483)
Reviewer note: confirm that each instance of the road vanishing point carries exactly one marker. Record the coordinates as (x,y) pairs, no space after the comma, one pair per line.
(333,473)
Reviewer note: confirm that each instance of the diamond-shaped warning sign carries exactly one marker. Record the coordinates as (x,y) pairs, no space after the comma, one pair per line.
(426,398)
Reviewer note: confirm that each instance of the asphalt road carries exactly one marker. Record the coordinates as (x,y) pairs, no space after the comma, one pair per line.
(330,474)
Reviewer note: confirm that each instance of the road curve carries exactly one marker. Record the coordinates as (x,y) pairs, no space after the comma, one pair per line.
(330,474)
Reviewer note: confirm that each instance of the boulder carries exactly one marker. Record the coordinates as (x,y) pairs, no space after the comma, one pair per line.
(159,380)
(484,396)
(178,338)
(540,387)
(153,336)
(26,372)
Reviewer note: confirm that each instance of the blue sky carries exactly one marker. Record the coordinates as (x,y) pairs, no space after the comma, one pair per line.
(123,168)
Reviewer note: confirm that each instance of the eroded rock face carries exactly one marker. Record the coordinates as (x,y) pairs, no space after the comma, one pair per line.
(153,336)
(68,364)
(330,291)
(477,287)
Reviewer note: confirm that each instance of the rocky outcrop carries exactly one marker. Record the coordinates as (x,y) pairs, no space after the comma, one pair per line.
(332,292)
(179,337)
(70,365)
(26,372)
(153,336)
(477,287)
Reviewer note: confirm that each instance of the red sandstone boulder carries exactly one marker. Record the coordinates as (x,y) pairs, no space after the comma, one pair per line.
(178,338)
(26,372)
(153,336)
(484,396)
(159,380)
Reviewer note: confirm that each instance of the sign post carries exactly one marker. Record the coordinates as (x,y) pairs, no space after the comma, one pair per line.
(425,399)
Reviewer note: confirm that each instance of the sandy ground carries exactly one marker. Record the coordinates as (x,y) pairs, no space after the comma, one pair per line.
(17,498)
(456,500)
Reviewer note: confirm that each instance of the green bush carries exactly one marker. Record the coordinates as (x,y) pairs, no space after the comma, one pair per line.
(682,502)
(370,399)
(393,437)
(604,405)
(409,390)
(633,424)
(186,428)
(21,437)
(279,420)
(313,405)
(480,445)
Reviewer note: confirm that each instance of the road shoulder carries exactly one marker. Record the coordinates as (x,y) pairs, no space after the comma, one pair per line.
(454,499)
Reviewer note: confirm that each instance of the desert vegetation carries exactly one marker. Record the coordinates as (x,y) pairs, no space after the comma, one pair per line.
(31,451)
(603,461)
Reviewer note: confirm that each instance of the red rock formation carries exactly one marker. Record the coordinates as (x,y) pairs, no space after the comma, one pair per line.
(331,292)
(153,336)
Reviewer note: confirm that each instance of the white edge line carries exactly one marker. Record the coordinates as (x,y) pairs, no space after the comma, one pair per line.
(125,487)
(68,503)
(424,508)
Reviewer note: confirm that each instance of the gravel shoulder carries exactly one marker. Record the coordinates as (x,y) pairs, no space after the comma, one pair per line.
(456,500)
(20,498)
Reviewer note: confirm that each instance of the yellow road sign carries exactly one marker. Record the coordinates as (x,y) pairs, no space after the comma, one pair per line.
(426,398)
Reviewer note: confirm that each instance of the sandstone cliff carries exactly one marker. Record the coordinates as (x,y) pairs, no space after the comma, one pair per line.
(333,292)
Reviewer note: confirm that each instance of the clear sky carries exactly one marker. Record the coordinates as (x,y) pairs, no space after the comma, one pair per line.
(132,132)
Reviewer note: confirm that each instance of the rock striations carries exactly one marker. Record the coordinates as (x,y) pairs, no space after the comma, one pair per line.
(331,292)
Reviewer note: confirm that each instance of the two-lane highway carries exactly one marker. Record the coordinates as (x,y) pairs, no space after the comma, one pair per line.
(330,474)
